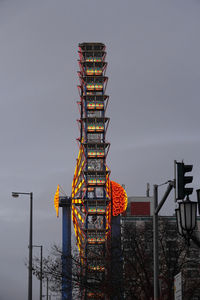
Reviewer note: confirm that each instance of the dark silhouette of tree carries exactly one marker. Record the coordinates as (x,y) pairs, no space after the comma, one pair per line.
(136,253)
(174,256)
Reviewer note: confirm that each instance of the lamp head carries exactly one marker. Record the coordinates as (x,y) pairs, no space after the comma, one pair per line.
(188,212)
(15,195)
(198,199)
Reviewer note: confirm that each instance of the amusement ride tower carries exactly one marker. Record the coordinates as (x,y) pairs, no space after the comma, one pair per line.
(90,187)
(95,200)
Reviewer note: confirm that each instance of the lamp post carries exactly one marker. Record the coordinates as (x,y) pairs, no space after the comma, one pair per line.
(36,246)
(16,195)
(157,208)
(47,288)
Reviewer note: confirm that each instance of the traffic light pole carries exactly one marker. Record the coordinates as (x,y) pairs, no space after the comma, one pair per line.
(157,208)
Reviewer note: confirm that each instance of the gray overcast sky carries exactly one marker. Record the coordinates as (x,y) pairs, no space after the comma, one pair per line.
(154,86)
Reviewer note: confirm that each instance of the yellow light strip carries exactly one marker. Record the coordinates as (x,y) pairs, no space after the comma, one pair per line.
(77,228)
(77,177)
(76,201)
(56,201)
(80,154)
(78,232)
(78,188)
(78,214)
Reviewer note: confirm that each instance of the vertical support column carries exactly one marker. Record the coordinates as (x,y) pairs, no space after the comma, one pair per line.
(41,274)
(116,258)
(66,249)
(47,295)
(155,245)
(30,266)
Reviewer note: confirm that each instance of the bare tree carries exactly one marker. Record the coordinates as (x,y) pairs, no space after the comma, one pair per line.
(137,273)
(174,256)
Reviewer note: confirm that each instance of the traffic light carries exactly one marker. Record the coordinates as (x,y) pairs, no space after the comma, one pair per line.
(182,180)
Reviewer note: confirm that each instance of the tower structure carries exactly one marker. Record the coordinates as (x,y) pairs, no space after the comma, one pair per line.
(96,202)
(90,187)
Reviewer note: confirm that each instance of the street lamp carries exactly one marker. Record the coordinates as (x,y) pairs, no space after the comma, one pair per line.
(186,218)
(188,212)
(30,265)
(36,246)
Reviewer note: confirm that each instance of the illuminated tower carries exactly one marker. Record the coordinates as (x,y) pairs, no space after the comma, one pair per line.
(96,202)
(90,187)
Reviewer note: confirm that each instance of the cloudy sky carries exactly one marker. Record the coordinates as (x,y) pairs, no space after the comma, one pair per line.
(153,51)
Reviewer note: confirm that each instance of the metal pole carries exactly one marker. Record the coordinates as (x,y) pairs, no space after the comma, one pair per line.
(169,188)
(66,250)
(175,181)
(47,288)
(30,249)
(41,272)
(155,244)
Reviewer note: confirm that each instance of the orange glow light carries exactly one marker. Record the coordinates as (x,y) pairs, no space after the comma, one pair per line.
(119,198)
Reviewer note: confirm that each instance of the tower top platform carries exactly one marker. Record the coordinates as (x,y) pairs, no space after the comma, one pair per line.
(92,46)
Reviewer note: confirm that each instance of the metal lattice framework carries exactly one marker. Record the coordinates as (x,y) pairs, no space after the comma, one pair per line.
(95,201)
(91,202)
